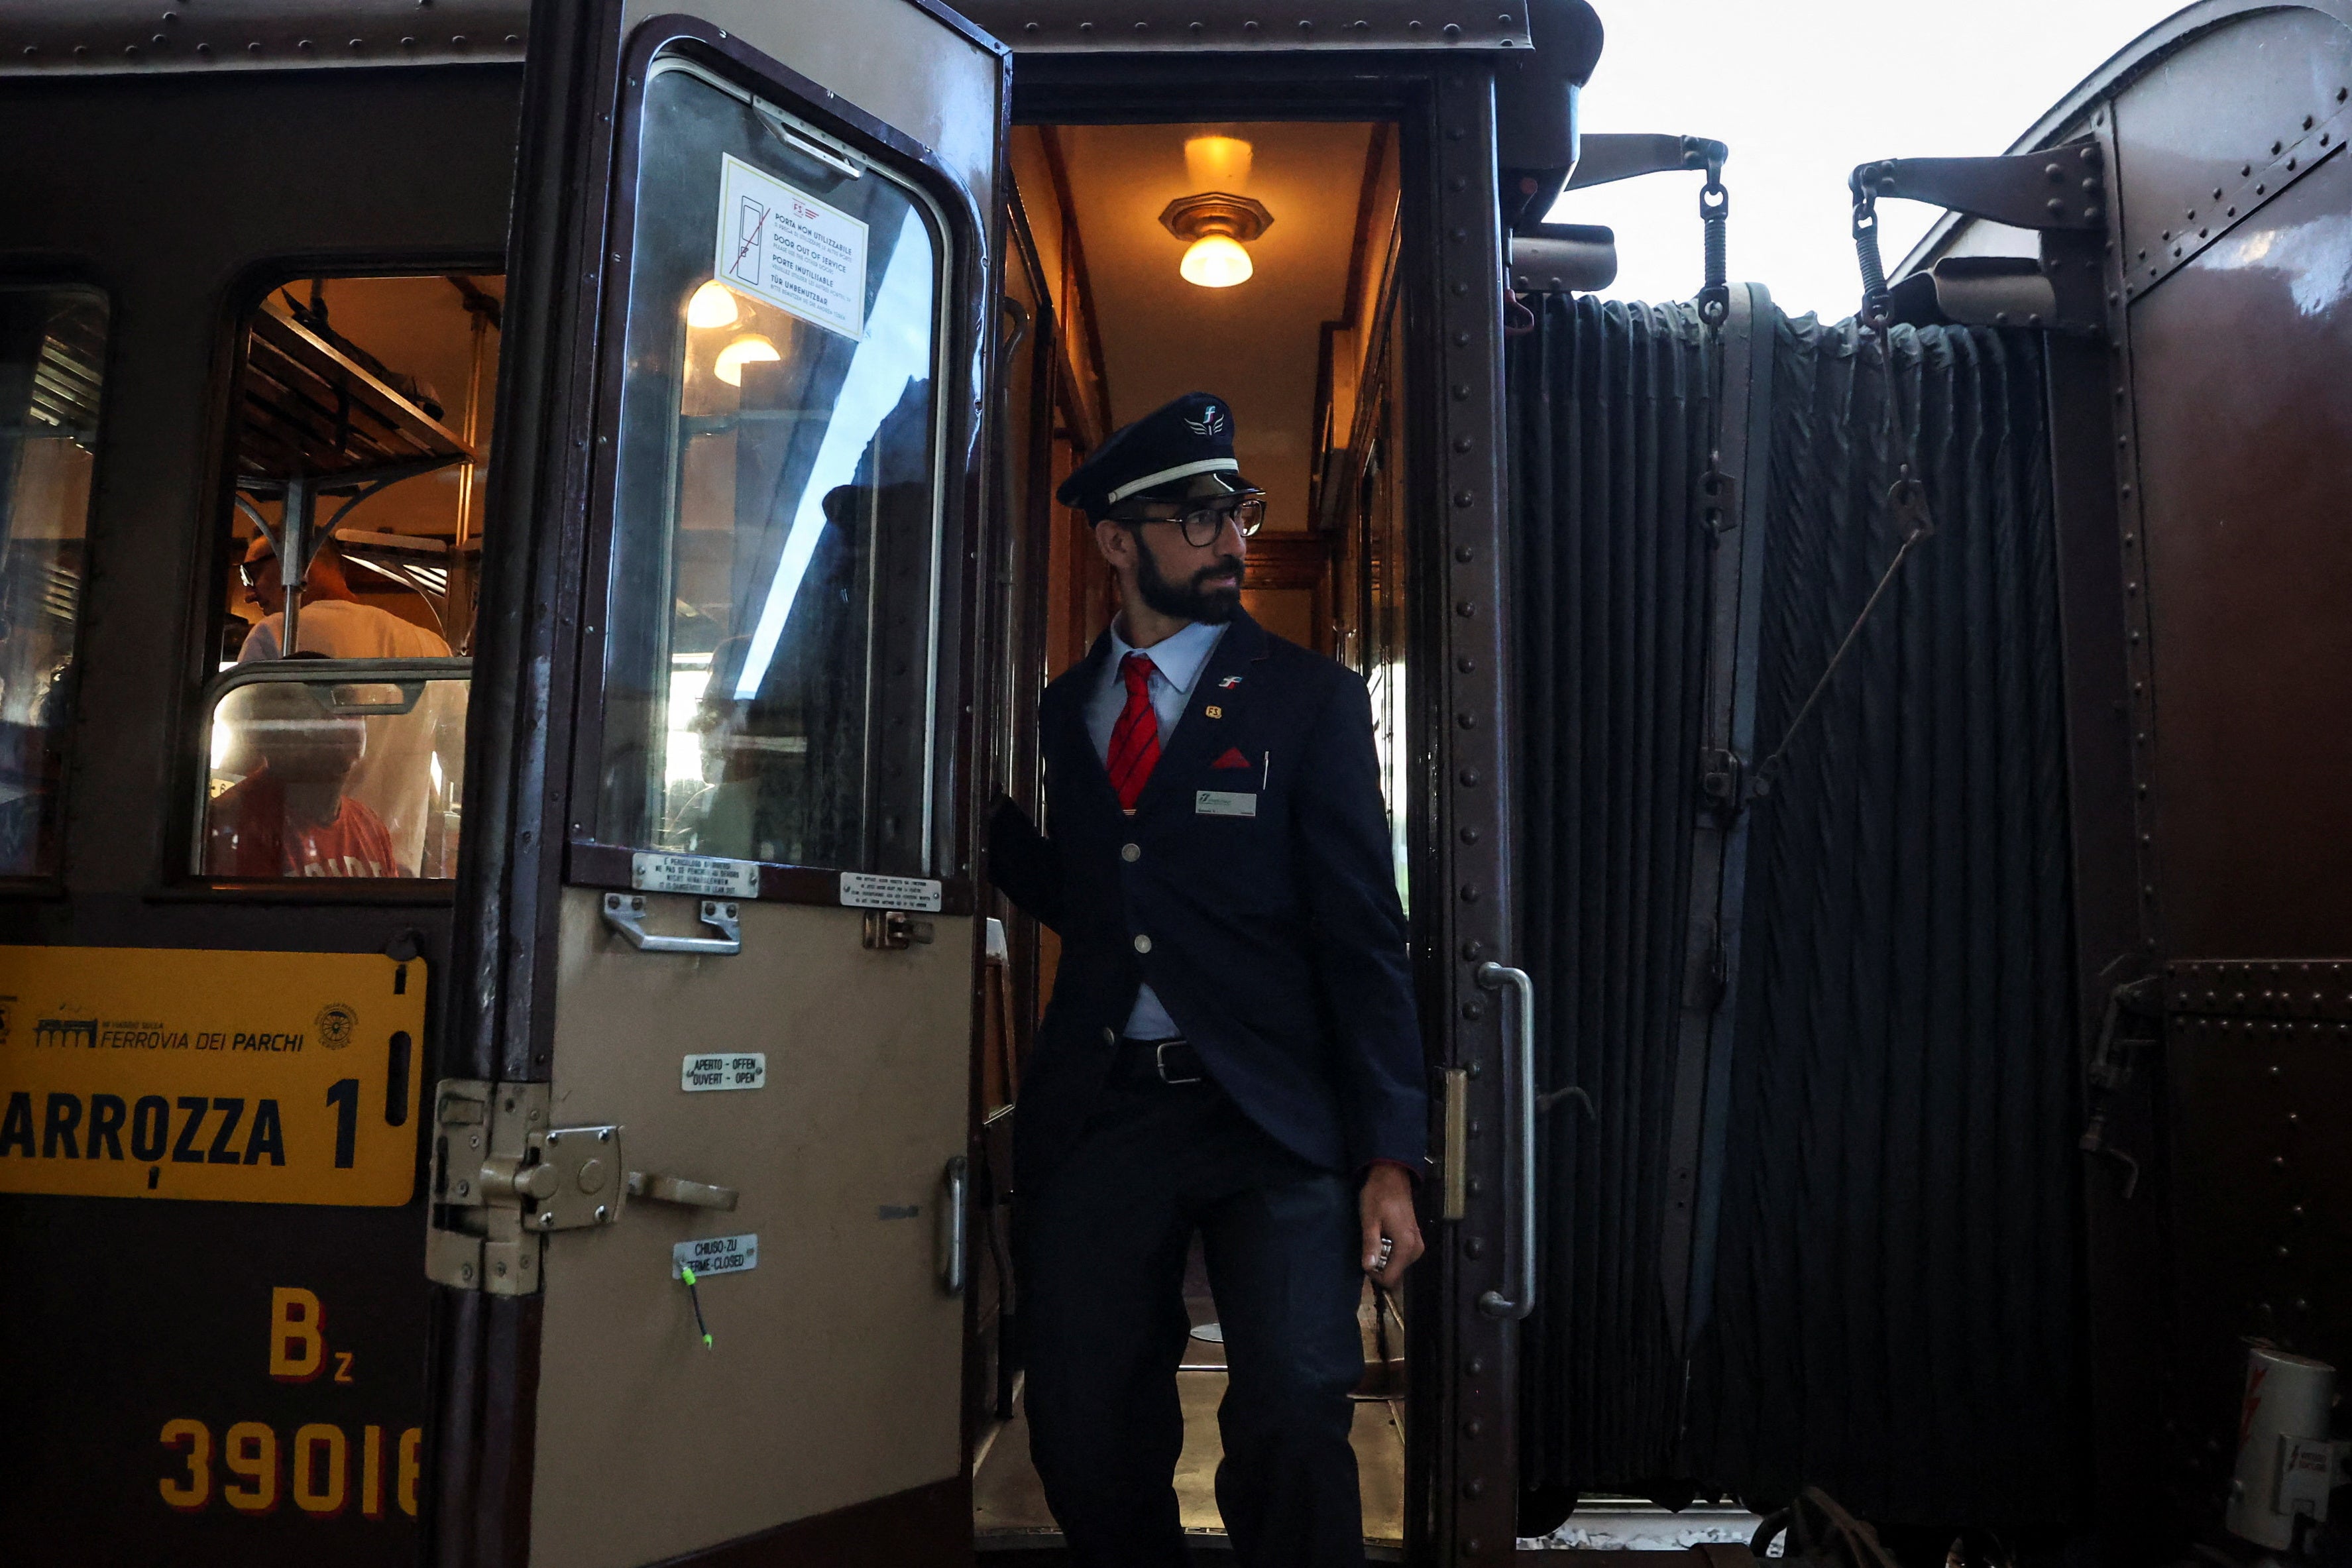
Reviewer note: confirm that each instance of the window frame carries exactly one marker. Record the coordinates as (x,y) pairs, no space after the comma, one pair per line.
(748,75)
(73,277)
(218,551)
(305,672)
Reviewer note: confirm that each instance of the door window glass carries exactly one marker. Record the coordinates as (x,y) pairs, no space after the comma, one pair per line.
(335,768)
(52,352)
(767,671)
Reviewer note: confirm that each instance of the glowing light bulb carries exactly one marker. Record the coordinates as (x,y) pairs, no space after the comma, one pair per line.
(1216,261)
(713,305)
(742,352)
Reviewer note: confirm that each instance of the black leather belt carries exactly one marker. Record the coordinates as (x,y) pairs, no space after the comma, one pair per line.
(1171,1062)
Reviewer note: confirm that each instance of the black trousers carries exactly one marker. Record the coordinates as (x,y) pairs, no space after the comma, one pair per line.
(1100,1260)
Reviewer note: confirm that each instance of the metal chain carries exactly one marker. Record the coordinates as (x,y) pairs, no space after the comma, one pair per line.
(1714,209)
(1877,301)
(1718,491)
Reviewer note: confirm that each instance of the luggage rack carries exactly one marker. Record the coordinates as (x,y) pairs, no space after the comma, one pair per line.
(67,377)
(323,418)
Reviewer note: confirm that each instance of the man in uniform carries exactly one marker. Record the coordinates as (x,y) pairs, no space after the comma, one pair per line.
(1231,1046)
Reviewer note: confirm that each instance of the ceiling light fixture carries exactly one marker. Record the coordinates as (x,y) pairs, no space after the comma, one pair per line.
(713,305)
(1217,224)
(742,352)
(1216,163)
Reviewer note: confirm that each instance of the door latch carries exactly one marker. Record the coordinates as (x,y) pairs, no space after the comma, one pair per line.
(502,1178)
(1722,780)
(502,1175)
(893,930)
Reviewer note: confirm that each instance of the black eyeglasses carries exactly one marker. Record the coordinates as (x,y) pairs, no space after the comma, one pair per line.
(1204,526)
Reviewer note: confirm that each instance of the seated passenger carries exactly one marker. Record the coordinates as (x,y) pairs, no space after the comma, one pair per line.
(290,817)
(395,776)
(334,622)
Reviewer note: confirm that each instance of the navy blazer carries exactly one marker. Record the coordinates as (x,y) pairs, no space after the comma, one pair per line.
(1275,940)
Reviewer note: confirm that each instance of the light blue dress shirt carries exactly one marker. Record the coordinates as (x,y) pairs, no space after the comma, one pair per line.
(1176,665)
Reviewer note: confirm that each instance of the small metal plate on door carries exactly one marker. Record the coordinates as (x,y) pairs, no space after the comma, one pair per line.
(863,890)
(723,1070)
(710,1256)
(703,874)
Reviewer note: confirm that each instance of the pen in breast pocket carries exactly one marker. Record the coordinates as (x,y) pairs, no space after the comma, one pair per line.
(1265,772)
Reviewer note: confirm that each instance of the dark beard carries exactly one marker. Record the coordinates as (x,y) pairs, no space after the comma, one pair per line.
(1192,602)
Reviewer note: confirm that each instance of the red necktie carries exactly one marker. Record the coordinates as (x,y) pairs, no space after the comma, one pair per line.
(1135,739)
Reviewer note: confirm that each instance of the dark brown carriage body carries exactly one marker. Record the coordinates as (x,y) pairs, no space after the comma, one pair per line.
(2197,451)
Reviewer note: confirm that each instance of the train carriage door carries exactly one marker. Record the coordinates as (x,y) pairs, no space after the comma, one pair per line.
(710,1170)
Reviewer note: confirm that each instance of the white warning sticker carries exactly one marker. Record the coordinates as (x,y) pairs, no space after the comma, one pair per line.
(790,250)
(713,1255)
(736,1069)
(863,890)
(704,874)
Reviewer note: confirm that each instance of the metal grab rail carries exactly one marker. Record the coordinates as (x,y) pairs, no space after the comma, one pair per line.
(1522,1300)
(956,1224)
(626,913)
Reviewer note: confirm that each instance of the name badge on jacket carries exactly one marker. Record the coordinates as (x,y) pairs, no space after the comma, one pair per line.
(1224,803)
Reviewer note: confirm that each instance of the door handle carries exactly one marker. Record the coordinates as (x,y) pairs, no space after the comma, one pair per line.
(626,913)
(1494,976)
(958,1183)
(664,1188)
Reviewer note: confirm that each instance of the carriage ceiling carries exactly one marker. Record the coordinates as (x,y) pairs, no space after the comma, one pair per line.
(1257,343)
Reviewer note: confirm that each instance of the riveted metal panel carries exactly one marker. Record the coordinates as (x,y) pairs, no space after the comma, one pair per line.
(2220,128)
(2228,314)
(2155,54)
(1162,25)
(2318,990)
(2261,1171)
(1473,1490)
(2245,455)
(2138,667)
(83,36)
(2206,759)
(2122,1233)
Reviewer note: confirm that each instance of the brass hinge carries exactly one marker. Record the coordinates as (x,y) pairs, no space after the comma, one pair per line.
(1453,1161)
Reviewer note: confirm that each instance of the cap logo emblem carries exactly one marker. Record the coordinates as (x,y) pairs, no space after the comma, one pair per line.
(1211,423)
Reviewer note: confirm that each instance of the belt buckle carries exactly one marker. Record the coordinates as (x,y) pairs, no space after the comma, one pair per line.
(1159,1062)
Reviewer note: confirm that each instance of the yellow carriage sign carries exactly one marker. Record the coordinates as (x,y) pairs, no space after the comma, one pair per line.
(283,1078)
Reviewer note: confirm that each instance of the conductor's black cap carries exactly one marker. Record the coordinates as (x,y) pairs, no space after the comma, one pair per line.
(1178,451)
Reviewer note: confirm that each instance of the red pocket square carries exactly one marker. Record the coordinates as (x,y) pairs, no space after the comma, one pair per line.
(1231,758)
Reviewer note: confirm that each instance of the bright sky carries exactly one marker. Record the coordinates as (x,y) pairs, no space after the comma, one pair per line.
(1802,90)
